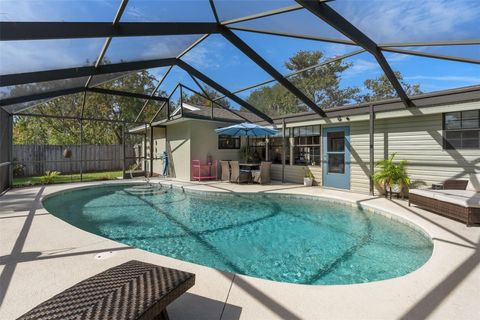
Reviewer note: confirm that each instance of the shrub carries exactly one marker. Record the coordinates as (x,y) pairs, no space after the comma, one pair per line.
(307,173)
(391,174)
(49,177)
(18,169)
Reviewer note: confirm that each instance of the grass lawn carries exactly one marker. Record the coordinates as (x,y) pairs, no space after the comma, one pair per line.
(92,176)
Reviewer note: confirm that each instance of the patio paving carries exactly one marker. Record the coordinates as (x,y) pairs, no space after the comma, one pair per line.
(41,255)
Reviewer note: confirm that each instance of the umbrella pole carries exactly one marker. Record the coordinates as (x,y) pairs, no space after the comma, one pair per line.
(248,146)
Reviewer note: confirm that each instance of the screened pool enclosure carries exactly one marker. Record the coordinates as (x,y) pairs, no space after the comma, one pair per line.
(255,61)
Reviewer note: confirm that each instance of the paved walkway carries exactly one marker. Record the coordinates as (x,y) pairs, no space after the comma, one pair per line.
(41,255)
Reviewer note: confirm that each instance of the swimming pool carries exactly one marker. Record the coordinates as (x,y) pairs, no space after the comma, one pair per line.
(276,237)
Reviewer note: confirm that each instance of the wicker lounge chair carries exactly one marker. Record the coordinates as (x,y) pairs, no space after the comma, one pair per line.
(262,176)
(237,175)
(133,290)
(225,170)
(459,200)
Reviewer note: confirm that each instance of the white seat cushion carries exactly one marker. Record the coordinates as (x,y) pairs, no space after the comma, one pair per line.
(429,193)
(464,198)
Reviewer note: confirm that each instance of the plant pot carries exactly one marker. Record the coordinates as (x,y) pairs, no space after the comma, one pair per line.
(396,188)
(307,182)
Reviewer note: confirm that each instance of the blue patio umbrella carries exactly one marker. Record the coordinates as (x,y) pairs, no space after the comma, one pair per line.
(246,129)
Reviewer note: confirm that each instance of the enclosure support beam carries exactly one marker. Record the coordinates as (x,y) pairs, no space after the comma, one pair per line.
(108,40)
(12,31)
(189,69)
(431,55)
(204,95)
(264,14)
(165,103)
(154,92)
(123,150)
(292,35)
(151,150)
(126,94)
(63,92)
(372,148)
(10,151)
(81,150)
(330,16)
(40,96)
(318,65)
(284,147)
(50,75)
(262,63)
(72,118)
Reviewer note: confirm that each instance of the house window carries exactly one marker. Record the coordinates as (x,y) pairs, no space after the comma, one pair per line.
(461,130)
(228,142)
(306,149)
(275,148)
(257,147)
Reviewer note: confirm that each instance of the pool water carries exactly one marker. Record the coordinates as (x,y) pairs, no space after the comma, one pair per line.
(276,237)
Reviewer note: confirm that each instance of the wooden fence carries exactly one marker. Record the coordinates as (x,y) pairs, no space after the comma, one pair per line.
(36,159)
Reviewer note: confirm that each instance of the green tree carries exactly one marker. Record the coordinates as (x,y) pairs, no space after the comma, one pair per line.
(66,131)
(199,100)
(321,84)
(381,88)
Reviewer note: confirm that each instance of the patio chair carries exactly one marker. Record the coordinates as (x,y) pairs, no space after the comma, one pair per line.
(225,170)
(262,176)
(133,290)
(237,175)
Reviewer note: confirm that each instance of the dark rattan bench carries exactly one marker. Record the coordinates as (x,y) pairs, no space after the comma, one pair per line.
(469,215)
(133,290)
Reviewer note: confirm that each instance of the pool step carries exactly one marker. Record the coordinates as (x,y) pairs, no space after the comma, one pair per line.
(147,189)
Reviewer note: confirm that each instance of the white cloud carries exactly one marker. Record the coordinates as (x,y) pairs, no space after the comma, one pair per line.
(207,55)
(412,20)
(360,66)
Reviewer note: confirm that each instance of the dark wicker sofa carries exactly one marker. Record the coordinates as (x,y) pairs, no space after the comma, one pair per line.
(132,290)
(456,199)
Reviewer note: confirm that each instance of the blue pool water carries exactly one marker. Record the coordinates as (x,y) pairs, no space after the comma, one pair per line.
(282,238)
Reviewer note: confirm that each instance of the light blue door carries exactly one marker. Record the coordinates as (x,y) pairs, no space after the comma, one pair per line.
(336,157)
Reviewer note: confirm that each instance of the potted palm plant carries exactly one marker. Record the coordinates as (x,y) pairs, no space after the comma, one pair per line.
(308,177)
(392,176)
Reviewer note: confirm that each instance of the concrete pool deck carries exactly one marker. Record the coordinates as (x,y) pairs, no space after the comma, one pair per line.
(41,255)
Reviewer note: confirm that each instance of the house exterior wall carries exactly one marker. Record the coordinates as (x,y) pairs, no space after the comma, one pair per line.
(415,135)
(417,139)
(186,141)
(159,146)
(178,149)
(205,143)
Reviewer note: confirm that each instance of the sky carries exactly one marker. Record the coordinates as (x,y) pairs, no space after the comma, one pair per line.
(384,21)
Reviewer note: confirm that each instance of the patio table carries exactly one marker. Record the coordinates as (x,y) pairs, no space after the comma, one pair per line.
(249,166)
